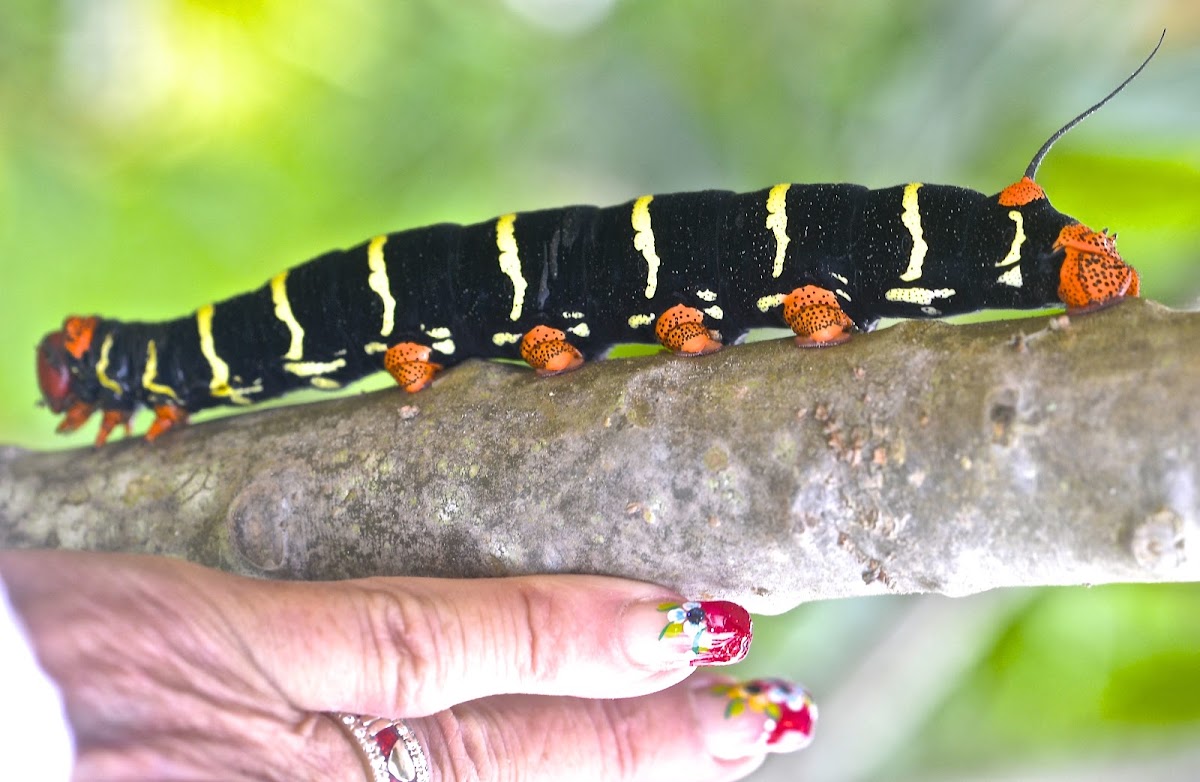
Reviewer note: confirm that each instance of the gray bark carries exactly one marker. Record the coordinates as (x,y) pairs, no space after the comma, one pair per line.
(923,458)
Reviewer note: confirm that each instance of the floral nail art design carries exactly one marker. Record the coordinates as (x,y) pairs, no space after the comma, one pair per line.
(790,713)
(686,619)
(716,631)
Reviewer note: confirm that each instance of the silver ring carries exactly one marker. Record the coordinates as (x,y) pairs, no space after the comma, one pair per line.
(390,749)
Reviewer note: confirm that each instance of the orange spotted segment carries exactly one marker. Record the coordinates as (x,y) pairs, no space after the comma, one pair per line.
(547,350)
(1135,284)
(77,334)
(408,363)
(682,330)
(1021,192)
(1092,273)
(816,316)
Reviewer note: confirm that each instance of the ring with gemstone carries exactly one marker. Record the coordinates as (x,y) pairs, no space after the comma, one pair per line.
(391,751)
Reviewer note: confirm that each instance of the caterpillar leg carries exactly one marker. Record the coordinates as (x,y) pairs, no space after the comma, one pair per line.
(76,416)
(682,330)
(166,417)
(111,420)
(409,364)
(547,350)
(816,316)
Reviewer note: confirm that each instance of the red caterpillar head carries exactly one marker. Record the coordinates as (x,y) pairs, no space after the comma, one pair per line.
(54,356)
(1092,273)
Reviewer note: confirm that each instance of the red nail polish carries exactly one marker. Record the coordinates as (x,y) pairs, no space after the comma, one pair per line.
(787,711)
(718,631)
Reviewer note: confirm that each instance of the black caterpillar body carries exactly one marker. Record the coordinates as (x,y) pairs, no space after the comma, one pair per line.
(559,285)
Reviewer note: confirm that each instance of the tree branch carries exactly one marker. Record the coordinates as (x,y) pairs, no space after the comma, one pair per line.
(923,458)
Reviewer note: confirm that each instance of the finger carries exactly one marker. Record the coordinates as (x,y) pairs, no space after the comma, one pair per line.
(417,646)
(707,728)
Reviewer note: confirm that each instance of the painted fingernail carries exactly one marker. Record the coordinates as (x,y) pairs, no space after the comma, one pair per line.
(708,632)
(747,718)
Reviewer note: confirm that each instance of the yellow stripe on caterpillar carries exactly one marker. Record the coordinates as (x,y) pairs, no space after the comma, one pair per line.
(151,373)
(1014,252)
(283,311)
(767,302)
(102,367)
(510,261)
(643,240)
(777,224)
(379,282)
(310,368)
(911,217)
(918,295)
(219,384)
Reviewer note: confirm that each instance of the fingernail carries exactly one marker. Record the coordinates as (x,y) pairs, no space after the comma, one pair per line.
(747,718)
(708,632)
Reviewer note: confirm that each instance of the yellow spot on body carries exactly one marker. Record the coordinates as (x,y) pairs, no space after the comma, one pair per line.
(918,295)
(439,333)
(310,368)
(445,346)
(843,294)
(839,278)
(706,295)
(151,373)
(219,385)
(573,315)
(510,262)
(505,338)
(283,311)
(325,384)
(637,321)
(102,367)
(375,347)
(1014,252)
(580,329)
(767,302)
(643,240)
(777,224)
(715,312)
(378,280)
(911,217)
(1012,277)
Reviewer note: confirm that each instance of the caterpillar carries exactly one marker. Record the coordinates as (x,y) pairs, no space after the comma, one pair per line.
(558,286)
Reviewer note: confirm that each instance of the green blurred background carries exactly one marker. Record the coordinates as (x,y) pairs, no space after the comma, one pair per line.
(158,155)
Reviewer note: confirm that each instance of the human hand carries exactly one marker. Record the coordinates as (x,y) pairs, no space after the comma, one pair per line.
(172,671)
